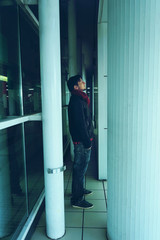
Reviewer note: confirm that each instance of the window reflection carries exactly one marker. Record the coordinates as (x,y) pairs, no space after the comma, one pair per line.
(34,160)
(19,189)
(30,59)
(9,62)
(13,208)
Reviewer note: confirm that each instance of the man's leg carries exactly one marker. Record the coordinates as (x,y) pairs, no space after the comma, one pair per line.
(81,160)
(77,174)
(86,157)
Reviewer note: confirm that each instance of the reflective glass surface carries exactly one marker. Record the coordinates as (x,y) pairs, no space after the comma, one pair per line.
(34,160)
(65,94)
(30,62)
(10,91)
(65,126)
(21,155)
(13,204)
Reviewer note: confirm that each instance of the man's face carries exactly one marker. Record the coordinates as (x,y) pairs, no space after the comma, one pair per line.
(81,85)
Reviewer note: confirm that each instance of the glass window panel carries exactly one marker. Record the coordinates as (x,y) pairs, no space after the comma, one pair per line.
(34,159)
(66,136)
(30,60)
(65,93)
(34,9)
(13,204)
(9,61)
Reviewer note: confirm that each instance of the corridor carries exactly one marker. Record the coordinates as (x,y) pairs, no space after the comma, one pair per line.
(82,224)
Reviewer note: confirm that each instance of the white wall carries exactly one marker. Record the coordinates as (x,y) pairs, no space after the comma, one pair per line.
(133,120)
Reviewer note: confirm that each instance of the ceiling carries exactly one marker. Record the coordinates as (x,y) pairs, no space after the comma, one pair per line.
(86,22)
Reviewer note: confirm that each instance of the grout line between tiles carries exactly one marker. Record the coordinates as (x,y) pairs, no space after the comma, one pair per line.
(105,194)
(94,227)
(89,211)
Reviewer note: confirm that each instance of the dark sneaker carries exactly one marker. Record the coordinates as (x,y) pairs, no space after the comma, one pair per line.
(87,192)
(83,204)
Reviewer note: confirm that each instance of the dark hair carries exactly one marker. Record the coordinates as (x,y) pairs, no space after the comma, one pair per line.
(73,81)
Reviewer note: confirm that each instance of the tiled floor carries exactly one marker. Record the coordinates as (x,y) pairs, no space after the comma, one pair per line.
(82,224)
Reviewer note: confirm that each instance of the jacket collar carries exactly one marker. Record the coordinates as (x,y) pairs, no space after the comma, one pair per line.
(81,94)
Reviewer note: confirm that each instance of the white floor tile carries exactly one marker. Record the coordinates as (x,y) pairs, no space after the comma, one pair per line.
(69,208)
(95,219)
(94,185)
(97,194)
(94,234)
(73,219)
(71,233)
(99,206)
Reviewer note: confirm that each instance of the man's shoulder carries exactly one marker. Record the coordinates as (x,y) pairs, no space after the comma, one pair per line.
(76,102)
(75,99)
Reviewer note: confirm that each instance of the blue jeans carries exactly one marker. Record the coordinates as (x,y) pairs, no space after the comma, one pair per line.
(80,165)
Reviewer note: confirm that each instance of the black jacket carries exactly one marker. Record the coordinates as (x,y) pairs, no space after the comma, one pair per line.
(80,122)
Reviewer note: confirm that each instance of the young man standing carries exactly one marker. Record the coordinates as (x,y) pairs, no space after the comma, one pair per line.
(81,130)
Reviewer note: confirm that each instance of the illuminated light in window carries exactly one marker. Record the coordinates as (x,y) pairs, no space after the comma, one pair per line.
(3,78)
(31,89)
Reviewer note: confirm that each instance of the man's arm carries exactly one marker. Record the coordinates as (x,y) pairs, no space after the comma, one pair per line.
(79,119)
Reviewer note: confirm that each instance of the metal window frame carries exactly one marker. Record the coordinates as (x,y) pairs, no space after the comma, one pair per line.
(13,121)
(24,5)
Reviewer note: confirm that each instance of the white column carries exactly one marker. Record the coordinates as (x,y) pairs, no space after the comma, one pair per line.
(72,38)
(102,90)
(133,120)
(102,99)
(52,116)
